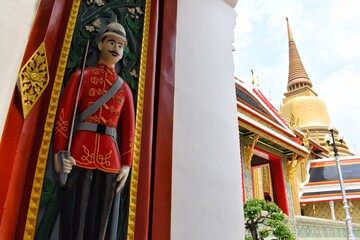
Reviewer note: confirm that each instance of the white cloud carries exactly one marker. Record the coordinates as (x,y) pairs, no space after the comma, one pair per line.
(340,93)
(345,11)
(242,29)
(344,20)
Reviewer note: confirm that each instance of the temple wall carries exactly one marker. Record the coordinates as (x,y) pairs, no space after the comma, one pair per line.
(322,210)
(309,228)
(16,18)
(206,187)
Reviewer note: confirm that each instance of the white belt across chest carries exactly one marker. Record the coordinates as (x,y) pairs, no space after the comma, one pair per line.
(94,127)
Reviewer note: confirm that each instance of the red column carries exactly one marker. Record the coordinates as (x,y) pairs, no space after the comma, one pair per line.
(147,132)
(21,136)
(162,174)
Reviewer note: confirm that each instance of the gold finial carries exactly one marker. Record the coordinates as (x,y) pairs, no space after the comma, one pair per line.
(290,36)
(297,77)
(306,142)
(292,122)
(252,77)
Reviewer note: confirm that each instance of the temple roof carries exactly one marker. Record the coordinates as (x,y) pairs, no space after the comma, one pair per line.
(323,180)
(256,115)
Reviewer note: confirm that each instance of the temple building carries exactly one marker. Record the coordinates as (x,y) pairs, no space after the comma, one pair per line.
(302,104)
(320,192)
(286,155)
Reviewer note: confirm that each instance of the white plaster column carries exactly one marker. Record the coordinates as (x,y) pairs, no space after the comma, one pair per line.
(331,203)
(206,183)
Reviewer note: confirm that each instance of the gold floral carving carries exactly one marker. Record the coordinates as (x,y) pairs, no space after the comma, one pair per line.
(293,123)
(317,136)
(48,127)
(249,152)
(291,167)
(138,128)
(34,77)
(306,142)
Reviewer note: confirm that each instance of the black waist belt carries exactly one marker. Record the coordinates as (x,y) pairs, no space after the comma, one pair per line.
(98,128)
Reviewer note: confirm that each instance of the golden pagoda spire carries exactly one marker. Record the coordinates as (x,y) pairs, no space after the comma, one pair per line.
(298,77)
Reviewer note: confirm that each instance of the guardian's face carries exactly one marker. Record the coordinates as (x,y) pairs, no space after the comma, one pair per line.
(112,50)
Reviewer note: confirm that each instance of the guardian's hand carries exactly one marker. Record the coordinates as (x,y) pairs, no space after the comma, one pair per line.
(63,164)
(121,178)
(68,164)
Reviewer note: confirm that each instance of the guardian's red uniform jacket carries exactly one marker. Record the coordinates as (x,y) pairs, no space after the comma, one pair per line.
(90,149)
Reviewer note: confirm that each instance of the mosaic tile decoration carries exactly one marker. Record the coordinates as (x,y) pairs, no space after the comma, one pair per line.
(309,228)
(247,173)
(291,221)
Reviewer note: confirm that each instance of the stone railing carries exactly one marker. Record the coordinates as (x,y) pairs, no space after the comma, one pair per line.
(309,228)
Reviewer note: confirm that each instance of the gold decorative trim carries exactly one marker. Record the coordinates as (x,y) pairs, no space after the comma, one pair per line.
(138,128)
(291,167)
(249,152)
(261,121)
(306,141)
(274,140)
(294,122)
(34,78)
(49,125)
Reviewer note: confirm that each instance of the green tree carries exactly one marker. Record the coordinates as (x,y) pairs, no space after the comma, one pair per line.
(262,219)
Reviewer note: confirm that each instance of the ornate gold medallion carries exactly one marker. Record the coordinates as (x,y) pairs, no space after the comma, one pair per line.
(34,77)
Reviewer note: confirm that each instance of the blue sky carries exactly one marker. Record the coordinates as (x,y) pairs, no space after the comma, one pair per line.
(327,36)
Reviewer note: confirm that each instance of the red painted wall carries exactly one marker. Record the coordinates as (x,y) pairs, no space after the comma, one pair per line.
(21,137)
(277,174)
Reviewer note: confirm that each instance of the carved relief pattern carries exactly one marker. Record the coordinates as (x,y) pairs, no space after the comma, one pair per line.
(133,72)
(48,128)
(34,77)
(249,151)
(291,168)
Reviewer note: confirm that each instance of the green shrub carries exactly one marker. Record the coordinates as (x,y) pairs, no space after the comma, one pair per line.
(262,219)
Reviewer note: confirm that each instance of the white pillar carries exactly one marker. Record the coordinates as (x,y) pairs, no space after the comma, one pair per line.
(206,184)
(331,203)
